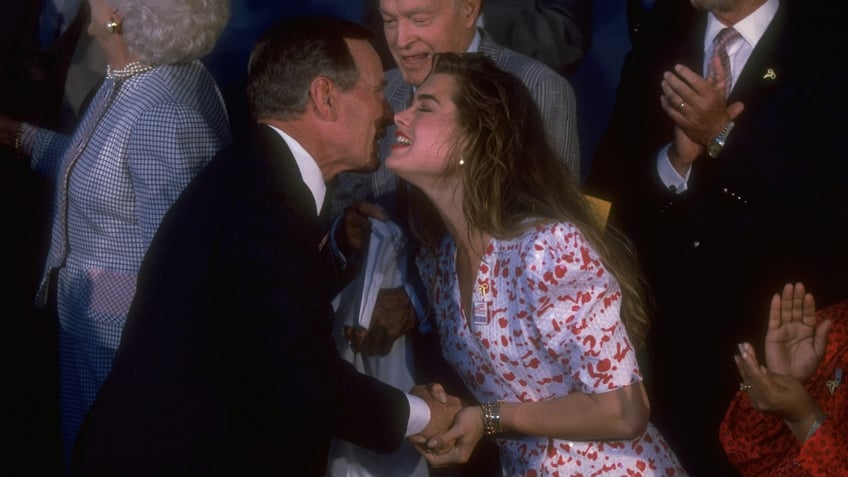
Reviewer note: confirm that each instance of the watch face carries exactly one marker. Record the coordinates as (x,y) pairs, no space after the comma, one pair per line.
(716,145)
(714,148)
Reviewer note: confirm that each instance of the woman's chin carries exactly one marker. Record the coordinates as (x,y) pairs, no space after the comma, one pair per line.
(392,163)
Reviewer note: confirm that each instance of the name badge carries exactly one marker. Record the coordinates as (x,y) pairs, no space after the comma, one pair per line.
(481,312)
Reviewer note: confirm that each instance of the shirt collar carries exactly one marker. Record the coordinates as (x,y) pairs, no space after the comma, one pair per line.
(751,28)
(475,42)
(309,170)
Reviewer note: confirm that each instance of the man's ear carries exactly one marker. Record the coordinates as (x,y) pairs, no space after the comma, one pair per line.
(324,95)
(470,10)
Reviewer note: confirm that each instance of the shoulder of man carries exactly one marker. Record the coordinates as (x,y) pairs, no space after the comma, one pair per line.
(397,92)
(533,73)
(512,61)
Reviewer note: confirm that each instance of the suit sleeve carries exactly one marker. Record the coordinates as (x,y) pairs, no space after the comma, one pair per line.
(288,349)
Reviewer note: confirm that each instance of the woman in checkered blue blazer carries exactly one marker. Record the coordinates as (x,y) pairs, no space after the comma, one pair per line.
(155,121)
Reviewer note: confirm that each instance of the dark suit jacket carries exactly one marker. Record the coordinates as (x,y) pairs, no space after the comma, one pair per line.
(555,32)
(771,209)
(227,365)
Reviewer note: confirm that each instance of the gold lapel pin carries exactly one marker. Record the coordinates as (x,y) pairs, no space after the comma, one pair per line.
(770,74)
(834,383)
(484,288)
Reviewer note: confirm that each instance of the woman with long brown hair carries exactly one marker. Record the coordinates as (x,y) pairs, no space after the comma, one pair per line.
(538,309)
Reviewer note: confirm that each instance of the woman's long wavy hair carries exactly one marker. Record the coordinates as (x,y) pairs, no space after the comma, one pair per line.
(512,178)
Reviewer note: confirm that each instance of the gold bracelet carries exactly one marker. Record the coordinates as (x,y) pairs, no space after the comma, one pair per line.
(491,415)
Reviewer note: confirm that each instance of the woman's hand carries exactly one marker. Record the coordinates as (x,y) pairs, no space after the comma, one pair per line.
(794,344)
(778,394)
(455,445)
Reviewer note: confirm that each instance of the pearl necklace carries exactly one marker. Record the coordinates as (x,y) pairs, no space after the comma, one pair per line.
(132,69)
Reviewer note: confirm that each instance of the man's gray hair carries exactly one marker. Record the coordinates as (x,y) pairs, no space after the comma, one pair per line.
(291,54)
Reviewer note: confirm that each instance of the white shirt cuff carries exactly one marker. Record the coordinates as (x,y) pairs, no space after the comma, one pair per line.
(668,175)
(419,415)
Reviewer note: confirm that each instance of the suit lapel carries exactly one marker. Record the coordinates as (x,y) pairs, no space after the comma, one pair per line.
(769,61)
(281,162)
(275,150)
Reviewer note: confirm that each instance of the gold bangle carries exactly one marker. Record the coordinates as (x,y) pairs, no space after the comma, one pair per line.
(491,415)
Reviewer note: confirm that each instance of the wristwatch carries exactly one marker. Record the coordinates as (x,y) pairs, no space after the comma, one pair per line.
(715,146)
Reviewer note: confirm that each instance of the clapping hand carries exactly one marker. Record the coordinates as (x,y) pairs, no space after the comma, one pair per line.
(778,394)
(795,347)
(696,104)
(794,344)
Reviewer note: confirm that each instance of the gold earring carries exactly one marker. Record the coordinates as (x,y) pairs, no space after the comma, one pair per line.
(461,161)
(113,26)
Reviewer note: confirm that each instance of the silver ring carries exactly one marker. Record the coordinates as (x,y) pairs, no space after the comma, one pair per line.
(743,386)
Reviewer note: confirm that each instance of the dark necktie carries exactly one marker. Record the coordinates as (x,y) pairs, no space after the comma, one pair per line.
(724,38)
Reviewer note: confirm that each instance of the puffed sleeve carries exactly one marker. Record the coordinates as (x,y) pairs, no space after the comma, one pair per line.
(577,303)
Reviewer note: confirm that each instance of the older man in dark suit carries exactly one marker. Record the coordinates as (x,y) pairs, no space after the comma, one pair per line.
(726,165)
(227,365)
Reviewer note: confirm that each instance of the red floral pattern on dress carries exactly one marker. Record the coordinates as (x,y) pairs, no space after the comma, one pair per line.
(759,444)
(546,323)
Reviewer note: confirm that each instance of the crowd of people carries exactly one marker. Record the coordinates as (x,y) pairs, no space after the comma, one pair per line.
(190,225)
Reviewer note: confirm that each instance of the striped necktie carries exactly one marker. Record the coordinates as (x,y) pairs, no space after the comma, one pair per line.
(724,38)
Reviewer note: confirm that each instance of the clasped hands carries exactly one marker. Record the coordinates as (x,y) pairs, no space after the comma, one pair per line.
(699,110)
(453,430)
(794,347)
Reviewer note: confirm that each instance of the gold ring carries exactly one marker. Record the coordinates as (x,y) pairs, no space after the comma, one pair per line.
(681,106)
(744,386)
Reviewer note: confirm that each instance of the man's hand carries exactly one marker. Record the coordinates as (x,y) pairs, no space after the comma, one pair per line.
(697,105)
(794,344)
(443,409)
(392,318)
(355,228)
(683,151)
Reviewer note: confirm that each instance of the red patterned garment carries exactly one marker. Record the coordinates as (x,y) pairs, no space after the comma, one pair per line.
(759,444)
(546,323)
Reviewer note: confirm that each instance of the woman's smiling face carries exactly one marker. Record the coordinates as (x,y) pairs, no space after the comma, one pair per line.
(426,132)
